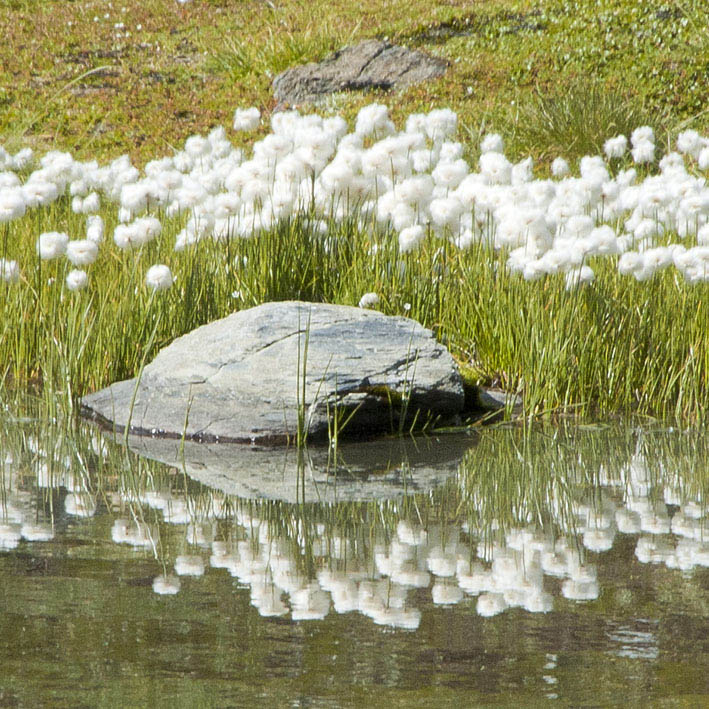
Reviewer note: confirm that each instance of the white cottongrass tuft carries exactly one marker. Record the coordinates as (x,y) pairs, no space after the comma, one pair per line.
(492,143)
(52,244)
(247,119)
(703,235)
(39,192)
(137,233)
(490,604)
(560,168)
(703,158)
(630,262)
(369,300)
(690,142)
(643,134)
(9,271)
(441,123)
(410,238)
(374,120)
(496,168)
(22,159)
(166,585)
(94,228)
(189,565)
(643,152)
(76,279)
(615,147)
(577,277)
(12,204)
(82,252)
(159,277)
(86,205)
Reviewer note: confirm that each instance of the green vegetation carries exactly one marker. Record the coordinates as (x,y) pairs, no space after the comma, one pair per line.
(618,347)
(554,78)
(100,89)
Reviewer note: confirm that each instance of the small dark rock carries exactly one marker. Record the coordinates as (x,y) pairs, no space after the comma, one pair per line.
(371,64)
(494,400)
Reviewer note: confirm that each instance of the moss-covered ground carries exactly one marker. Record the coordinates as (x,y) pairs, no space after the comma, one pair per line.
(102,78)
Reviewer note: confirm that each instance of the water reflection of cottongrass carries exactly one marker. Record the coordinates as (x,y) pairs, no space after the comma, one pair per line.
(295,563)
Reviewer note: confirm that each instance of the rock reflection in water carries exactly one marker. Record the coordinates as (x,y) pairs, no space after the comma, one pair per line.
(365,470)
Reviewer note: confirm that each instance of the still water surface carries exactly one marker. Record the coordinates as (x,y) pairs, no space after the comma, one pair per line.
(565,566)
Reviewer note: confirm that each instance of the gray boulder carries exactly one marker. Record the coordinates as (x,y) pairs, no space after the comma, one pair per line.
(371,64)
(264,374)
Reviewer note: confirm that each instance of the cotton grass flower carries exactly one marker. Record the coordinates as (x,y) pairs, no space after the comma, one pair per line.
(522,172)
(416,191)
(22,159)
(374,120)
(643,152)
(189,565)
(450,174)
(492,143)
(39,192)
(94,228)
(9,271)
(560,168)
(166,585)
(9,179)
(643,134)
(703,158)
(159,277)
(490,604)
(52,244)
(246,119)
(703,235)
(369,300)
(441,123)
(86,205)
(76,280)
(12,204)
(578,277)
(630,262)
(137,233)
(615,147)
(690,142)
(496,168)
(410,238)
(82,252)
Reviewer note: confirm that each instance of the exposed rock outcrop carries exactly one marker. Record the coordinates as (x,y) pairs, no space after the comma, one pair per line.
(371,64)
(265,374)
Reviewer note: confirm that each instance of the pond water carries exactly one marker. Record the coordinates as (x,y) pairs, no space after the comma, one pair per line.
(565,565)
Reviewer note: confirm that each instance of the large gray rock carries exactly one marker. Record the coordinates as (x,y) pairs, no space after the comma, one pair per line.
(371,64)
(263,374)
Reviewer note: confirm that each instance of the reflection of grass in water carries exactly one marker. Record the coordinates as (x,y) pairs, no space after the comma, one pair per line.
(517,477)
(513,478)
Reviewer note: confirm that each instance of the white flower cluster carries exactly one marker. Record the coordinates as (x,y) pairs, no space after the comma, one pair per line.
(414,181)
